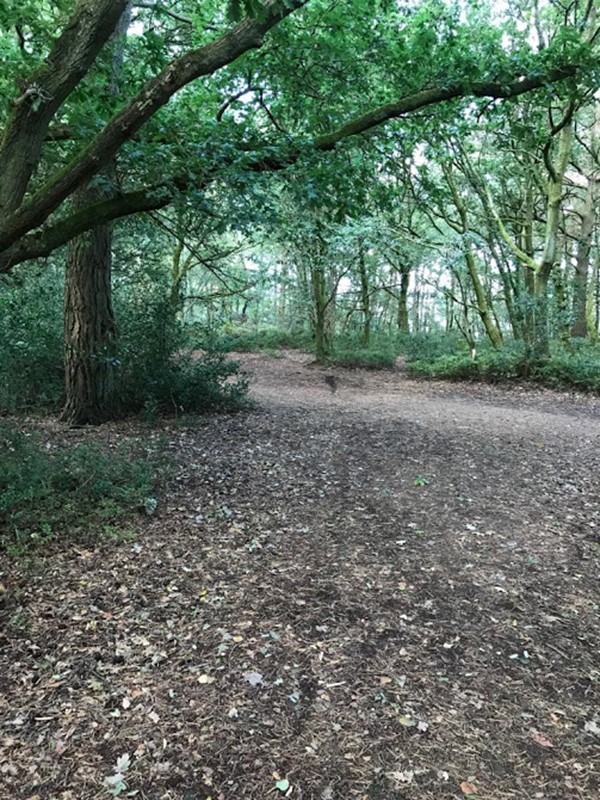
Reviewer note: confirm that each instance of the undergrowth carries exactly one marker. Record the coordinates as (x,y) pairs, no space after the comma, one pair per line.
(55,492)
(155,371)
(577,367)
(363,358)
(268,338)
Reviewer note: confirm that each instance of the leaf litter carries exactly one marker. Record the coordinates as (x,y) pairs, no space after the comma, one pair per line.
(272,569)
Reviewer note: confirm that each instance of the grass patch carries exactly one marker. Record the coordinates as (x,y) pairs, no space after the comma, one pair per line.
(58,492)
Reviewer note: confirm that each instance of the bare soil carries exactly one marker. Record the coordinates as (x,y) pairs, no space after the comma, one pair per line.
(389,591)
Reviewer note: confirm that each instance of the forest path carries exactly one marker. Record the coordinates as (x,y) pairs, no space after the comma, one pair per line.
(389,592)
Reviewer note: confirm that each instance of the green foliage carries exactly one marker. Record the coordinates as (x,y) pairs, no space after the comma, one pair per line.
(31,345)
(243,340)
(155,372)
(53,492)
(456,367)
(429,346)
(159,373)
(578,368)
(365,358)
(490,365)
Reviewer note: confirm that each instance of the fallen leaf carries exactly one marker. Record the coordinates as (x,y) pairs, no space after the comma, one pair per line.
(468,788)
(592,727)
(253,678)
(407,721)
(402,777)
(540,739)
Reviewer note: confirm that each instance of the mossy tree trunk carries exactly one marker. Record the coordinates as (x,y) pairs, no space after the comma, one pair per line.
(582,283)
(484,307)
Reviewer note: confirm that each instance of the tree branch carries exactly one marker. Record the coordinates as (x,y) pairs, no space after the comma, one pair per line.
(206,60)
(72,55)
(42,243)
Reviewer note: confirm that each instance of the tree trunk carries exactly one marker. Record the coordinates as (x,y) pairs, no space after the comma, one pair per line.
(90,331)
(365,298)
(483,307)
(483,303)
(592,302)
(550,254)
(90,334)
(402,318)
(581,327)
(320,313)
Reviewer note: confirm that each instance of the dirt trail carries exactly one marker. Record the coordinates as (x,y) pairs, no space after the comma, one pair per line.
(386,592)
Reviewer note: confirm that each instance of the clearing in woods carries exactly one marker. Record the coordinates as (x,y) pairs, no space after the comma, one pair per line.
(388,591)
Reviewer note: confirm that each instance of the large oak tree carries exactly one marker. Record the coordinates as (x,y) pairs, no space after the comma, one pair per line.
(45,202)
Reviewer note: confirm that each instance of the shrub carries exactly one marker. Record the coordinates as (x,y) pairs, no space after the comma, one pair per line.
(428,346)
(31,343)
(579,368)
(154,371)
(270,338)
(365,358)
(158,374)
(50,492)
(456,367)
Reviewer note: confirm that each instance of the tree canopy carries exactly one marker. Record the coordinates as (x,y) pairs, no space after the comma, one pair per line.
(201,96)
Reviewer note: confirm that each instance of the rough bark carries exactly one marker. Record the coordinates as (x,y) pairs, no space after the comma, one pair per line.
(89,324)
(90,336)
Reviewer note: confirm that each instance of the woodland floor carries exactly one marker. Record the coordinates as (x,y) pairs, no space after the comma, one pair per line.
(387,592)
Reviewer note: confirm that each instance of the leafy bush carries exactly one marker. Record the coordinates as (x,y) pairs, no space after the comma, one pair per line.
(579,368)
(159,373)
(156,372)
(490,365)
(365,358)
(429,346)
(49,492)
(269,338)
(456,367)
(31,343)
